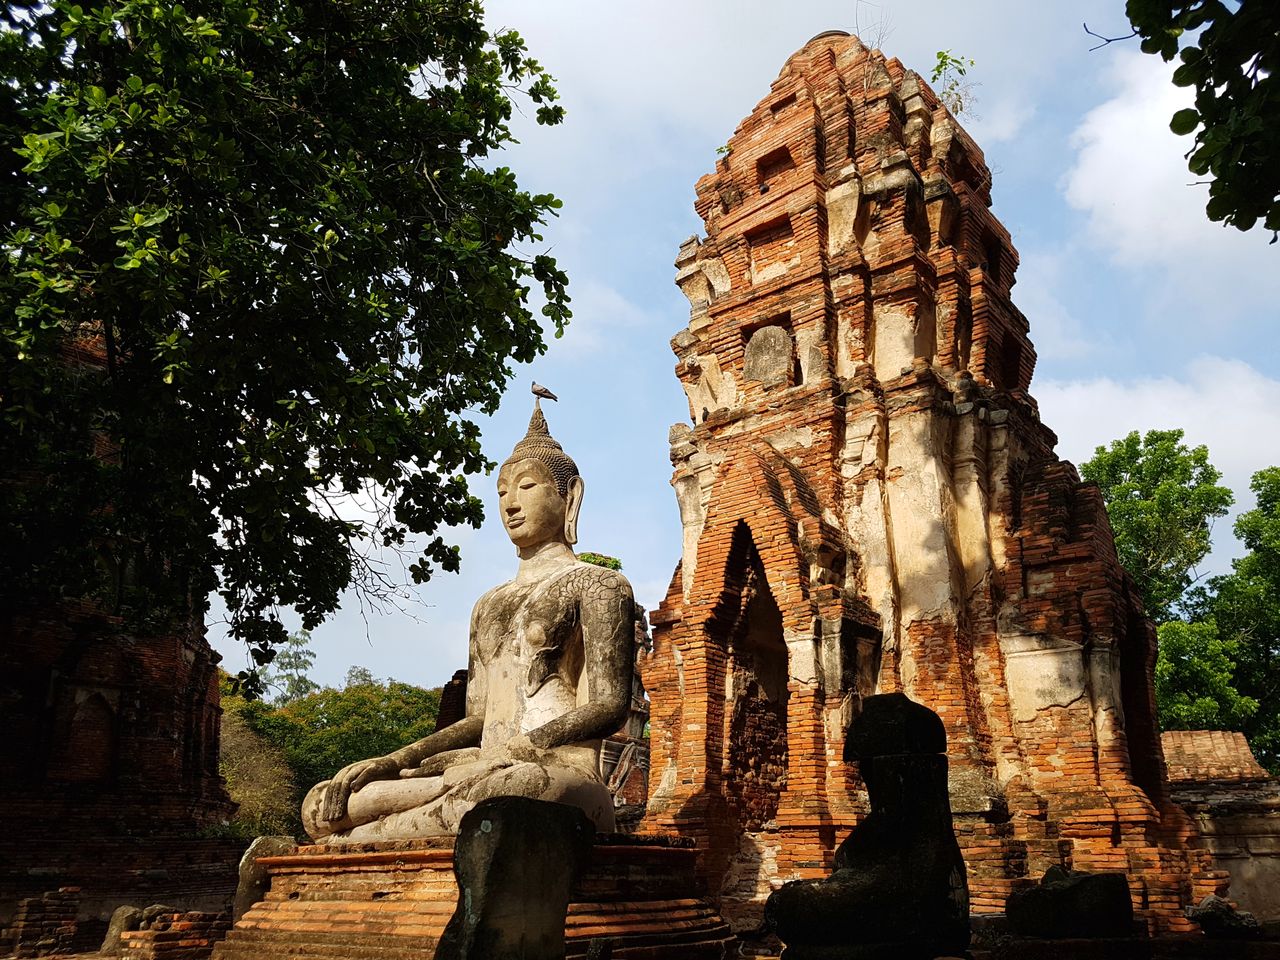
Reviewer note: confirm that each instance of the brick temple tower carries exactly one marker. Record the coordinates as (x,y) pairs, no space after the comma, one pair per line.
(109,759)
(870,503)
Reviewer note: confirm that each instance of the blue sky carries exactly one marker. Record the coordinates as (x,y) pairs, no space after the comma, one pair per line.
(1143,313)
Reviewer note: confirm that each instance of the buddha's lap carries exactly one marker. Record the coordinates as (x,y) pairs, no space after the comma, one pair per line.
(473,782)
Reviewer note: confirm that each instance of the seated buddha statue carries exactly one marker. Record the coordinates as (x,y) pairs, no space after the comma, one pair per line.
(550,667)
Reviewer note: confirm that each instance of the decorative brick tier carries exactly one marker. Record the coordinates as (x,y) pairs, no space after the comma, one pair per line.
(384,900)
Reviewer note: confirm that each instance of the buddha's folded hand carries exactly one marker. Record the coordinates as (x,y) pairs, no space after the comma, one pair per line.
(351,778)
(438,764)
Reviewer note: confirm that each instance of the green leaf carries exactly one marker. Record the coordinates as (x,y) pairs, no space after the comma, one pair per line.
(1184,121)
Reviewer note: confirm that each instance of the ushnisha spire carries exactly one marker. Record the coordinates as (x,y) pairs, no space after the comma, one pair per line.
(538,444)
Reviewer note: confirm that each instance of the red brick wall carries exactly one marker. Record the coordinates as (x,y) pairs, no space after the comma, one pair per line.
(113,743)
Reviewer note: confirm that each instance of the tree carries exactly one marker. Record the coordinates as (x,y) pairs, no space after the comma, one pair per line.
(259,778)
(955,90)
(254,259)
(289,670)
(328,729)
(1162,499)
(1230,56)
(1194,672)
(1245,604)
(359,676)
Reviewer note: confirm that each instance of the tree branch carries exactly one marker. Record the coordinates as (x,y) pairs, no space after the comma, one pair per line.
(1107,40)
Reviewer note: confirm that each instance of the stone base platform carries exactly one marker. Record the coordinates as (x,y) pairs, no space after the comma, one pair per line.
(1160,948)
(371,901)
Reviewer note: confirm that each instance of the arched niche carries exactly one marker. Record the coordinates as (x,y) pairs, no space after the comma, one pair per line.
(756,674)
(85,738)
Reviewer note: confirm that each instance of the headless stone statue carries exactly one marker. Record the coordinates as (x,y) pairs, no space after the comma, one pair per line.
(899,890)
(549,677)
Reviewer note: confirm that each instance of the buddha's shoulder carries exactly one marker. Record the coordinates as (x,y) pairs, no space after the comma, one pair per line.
(492,595)
(591,582)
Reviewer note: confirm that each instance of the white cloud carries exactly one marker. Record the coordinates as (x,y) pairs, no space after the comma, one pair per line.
(1227,405)
(1130,178)
(651,88)
(600,314)
(1057,333)
(999,118)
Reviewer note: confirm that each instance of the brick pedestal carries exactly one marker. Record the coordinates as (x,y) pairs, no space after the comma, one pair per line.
(384,900)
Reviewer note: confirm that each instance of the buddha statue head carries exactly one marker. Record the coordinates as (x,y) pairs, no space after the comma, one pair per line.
(539,490)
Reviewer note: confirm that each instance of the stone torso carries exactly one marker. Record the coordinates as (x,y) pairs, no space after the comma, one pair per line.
(529,646)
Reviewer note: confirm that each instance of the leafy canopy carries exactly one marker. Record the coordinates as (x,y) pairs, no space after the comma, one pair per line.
(1245,605)
(324,731)
(1162,499)
(272,755)
(1230,57)
(1194,673)
(254,257)
(258,777)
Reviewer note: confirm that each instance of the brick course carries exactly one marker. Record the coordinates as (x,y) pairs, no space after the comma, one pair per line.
(189,935)
(871,503)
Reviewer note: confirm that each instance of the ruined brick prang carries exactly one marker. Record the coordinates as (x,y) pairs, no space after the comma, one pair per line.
(109,758)
(870,503)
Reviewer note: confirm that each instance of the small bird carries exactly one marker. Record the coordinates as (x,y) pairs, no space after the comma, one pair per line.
(540,391)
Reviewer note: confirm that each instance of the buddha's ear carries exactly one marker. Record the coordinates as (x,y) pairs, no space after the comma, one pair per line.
(572,506)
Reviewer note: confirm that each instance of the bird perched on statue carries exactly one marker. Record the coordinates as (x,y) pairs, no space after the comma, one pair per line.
(540,391)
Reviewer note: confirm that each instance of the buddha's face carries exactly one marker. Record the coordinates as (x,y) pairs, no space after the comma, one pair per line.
(533,511)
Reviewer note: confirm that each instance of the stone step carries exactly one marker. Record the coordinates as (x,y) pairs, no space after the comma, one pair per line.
(693,944)
(318,946)
(429,920)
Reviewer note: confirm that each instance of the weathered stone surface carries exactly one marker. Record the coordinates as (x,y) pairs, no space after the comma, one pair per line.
(899,880)
(1075,905)
(769,356)
(1221,921)
(150,913)
(890,516)
(255,880)
(551,675)
(124,919)
(516,861)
